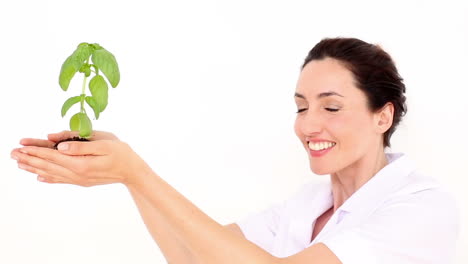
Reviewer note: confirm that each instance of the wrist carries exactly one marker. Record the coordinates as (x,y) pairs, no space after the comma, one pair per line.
(139,177)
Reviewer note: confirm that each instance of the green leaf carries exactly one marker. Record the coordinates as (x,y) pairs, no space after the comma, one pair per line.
(106,62)
(100,91)
(81,122)
(67,72)
(82,53)
(95,46)
(86,69)
(73,64)
(69,103)
(94,105)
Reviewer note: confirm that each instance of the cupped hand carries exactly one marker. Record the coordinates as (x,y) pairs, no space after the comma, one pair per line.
(53,138)
(103,160)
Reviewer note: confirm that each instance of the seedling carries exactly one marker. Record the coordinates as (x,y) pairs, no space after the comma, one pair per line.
(102,62)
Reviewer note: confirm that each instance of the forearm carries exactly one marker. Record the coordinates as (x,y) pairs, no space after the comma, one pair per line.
(206,239)
(172,248)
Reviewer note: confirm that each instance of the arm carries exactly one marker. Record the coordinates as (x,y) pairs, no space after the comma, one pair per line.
(235,229)
(209,241)
(171,247)
(112,161)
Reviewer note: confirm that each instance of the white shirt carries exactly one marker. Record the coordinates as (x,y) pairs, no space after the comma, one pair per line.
(399,216)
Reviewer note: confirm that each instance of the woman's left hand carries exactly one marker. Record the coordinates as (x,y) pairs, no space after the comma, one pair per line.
(83,163)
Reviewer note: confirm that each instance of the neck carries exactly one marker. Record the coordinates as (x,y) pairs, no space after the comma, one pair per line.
(348,180)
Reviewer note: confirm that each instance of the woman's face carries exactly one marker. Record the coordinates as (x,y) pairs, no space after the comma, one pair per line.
(334,123)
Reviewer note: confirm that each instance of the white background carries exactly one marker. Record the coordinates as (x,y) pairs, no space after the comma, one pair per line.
(206,98)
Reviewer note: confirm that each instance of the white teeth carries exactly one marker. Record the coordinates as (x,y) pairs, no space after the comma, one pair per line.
(321,145)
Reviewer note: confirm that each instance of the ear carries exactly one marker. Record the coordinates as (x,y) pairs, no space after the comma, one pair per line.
(384,118)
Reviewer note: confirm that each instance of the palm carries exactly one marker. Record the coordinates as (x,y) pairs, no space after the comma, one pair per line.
(54,138)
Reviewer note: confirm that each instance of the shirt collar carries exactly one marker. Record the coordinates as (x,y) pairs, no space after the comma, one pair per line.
(381,184)
(365,199)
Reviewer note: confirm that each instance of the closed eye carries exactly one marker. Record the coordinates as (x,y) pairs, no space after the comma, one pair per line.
(332,109)
(326,108)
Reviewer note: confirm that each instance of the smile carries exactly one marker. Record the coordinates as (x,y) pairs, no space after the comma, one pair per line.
(318,149)
(320,145)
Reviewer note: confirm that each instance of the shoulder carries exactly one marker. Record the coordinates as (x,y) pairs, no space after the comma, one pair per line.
(421,215)
(266,228)
(421,193)
(417,222)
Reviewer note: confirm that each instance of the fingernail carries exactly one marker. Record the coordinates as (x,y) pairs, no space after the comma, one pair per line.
(40,178)
(62,146)
(21,166)
(14,157)
(22,150)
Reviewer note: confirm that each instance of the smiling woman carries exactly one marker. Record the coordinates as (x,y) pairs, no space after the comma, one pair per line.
(375,208)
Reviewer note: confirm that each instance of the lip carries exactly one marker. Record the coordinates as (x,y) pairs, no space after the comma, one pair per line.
(319,153)
(317,140)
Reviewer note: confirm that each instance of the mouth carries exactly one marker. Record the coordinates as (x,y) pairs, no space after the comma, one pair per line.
(320,148)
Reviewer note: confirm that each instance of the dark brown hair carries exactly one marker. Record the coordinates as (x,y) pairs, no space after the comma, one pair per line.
(374,71)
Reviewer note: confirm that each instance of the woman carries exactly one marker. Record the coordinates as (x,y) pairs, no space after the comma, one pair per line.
(375,209)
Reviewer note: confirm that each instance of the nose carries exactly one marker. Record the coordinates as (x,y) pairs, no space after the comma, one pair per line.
(309,124)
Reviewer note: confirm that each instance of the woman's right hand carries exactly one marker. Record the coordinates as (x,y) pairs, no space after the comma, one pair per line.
(103,160)
(53,138)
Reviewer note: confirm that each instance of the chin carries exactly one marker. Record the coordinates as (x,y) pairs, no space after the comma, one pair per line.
(320,170)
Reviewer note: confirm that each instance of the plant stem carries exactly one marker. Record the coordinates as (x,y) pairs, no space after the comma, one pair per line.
(83,94)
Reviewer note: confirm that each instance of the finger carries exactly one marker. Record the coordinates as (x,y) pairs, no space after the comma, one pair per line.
(56,175)
(98,135)
(93,148)
(31,169)
(46,179)
(50,161)
(49,178)
(44,176)
(41,175)
(43,153)
(42,166)
(95,135)
(37,142)
(50,172)
(56,137)
(70,169)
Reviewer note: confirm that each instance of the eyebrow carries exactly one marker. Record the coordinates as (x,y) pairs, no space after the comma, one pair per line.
(320,95)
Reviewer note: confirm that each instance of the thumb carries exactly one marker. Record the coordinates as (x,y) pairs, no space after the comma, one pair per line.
(91,148)
(56,137)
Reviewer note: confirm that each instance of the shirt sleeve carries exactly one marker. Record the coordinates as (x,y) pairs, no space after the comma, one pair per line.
(417,230)
(261,227)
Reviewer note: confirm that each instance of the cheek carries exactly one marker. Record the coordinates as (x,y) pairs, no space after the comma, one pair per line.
(340,127)
(349,129)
